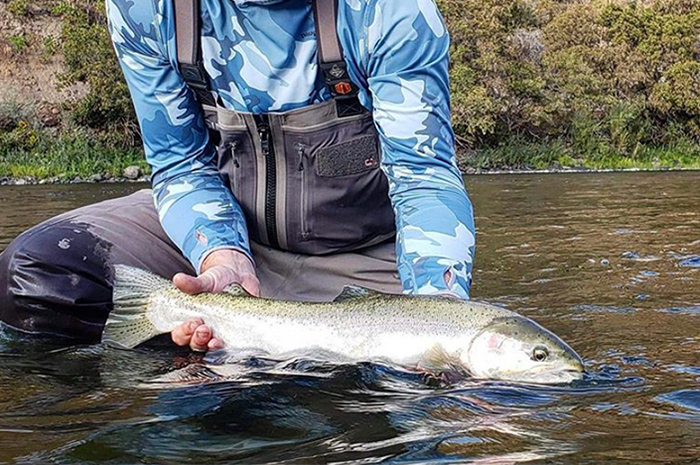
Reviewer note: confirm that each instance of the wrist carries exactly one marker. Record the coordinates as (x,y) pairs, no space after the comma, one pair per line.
(229,257)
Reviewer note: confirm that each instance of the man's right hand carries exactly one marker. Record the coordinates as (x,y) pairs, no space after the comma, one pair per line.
(220,269)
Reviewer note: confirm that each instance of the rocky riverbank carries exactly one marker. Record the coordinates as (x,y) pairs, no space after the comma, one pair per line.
(130,174)
(133,174)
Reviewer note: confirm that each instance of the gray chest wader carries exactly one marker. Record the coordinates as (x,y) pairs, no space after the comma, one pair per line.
(308,180)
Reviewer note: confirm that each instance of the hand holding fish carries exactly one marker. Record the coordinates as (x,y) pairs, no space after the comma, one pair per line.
(220,269)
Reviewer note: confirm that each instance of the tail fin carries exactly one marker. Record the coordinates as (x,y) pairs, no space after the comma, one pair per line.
(128,324)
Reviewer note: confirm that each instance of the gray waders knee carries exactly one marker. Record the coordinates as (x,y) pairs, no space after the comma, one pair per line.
(56,278)
(55,282)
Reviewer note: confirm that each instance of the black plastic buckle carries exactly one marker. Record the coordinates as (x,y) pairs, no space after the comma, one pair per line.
(193,74)
(342,89)
(196,79)
(349,106)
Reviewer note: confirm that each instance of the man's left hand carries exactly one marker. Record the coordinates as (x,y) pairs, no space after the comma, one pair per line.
(220,269)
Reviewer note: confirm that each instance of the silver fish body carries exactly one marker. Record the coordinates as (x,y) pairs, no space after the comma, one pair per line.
(435,334)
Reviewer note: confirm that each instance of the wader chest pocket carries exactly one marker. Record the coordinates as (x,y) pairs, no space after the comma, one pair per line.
(337,197)
(352,157)
(310,182)
(238,167)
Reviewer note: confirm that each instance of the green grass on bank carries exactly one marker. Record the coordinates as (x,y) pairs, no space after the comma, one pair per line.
(41,154)
(559,154)
(26,152)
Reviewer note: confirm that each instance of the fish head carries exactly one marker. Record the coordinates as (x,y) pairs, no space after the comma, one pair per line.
(518,349)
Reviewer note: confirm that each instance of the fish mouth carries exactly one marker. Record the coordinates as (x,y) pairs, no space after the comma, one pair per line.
(564,376)
(574,364)
(578,367)
(554,376)
(575,373)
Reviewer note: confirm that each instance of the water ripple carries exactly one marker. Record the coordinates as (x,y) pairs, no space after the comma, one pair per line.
(692,262)
(604,261)
(688,399)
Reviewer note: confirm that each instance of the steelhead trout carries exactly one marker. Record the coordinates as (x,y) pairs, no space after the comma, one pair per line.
(430,333)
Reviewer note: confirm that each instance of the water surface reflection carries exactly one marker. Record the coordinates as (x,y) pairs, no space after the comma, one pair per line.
(609,262)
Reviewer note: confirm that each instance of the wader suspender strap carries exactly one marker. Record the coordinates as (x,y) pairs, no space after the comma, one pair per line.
(188,26)
(330,57)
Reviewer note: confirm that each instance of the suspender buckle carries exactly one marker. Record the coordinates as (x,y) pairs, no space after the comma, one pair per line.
(349,106)
(337,78)
(196,78)
(193,74)
(342,89)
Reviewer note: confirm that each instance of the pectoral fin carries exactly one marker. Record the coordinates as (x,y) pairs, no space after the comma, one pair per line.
(437,360)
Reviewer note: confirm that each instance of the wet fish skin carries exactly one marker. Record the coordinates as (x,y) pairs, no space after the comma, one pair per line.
(434,334)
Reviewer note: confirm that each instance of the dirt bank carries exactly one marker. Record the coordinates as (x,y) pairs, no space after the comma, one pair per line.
(30,59)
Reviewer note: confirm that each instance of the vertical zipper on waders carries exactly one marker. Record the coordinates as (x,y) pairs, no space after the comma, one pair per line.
(232,147)
(263,125)
(303,207)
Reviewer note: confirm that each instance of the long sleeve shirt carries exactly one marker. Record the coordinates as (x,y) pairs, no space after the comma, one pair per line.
(261,56)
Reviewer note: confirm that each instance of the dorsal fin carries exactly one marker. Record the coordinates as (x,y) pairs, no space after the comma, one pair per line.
(237,290)
(355,292)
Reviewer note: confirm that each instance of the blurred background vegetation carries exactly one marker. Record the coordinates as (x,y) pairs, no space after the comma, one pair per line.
(535,84)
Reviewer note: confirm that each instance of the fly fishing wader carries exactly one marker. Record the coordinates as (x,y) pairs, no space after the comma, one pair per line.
(308,180)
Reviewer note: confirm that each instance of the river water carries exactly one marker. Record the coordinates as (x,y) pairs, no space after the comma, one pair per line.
(609,262)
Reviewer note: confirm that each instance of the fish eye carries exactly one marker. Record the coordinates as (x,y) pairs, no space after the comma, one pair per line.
(540,354)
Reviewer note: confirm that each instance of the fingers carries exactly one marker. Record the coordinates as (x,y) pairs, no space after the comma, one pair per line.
(200,339)
(220,269)
(215,280)
(216,344)
(449,294)
(197,335)
(251,284)
(182,335)
(191,285)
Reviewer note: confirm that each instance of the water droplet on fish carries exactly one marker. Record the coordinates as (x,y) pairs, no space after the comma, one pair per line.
(64,244)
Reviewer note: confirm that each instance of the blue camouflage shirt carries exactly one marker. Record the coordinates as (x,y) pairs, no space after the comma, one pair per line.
(261,57)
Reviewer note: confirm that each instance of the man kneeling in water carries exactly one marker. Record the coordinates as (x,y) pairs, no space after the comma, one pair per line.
(290,142)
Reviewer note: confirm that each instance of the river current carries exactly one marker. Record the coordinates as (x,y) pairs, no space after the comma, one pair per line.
(609,262)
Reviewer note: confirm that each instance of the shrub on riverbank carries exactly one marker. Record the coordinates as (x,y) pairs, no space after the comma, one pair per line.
(90,59)
(535,83)
(603,79)
(29,149)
